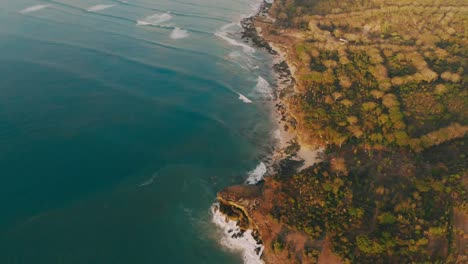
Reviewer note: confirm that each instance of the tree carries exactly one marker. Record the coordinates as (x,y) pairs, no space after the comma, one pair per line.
(368,246)
(386,218)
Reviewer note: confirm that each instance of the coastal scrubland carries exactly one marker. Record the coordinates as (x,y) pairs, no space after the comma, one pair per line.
(381,85)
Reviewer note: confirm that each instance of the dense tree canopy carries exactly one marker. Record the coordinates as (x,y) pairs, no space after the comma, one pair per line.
(382,84)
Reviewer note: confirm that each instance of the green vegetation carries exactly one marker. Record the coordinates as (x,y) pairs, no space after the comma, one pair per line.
(378,205)
(382,84)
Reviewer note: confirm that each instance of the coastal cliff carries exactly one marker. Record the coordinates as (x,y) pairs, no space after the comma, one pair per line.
(251,206)
(388,104)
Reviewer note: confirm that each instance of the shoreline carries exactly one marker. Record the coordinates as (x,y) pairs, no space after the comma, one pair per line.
(289,148)
(250,213)
(310,216)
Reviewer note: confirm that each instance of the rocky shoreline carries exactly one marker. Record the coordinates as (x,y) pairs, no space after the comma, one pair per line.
(287,156)
(320,215)
(250,205)
(250,33)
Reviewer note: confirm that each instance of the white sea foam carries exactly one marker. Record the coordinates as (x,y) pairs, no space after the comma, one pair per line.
(255,7)
(256,174)
(263,88)
(244,99)
(224,34)
(244,61)
(148,181)
(99,8)
(179,33)
(233,238)
(33,9)
(143,23)
(155,19)
(277,134)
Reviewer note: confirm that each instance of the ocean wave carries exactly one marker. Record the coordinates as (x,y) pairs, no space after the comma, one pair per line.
(224,34)
(234,239)
(256,174)
(244,99)
(149,181)
(140,61)
(179,33)
(245,62)
(99,8)
(131,92)
(128,36)
(155,19)
(263,88)
(255,6)
(146,7)
(83,11)
(33,9)
(277,134)
(141,22)
(206,6)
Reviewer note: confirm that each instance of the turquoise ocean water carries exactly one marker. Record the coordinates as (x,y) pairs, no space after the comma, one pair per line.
(119,122)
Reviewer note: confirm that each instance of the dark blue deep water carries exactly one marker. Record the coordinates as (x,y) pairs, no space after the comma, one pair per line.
(119,122)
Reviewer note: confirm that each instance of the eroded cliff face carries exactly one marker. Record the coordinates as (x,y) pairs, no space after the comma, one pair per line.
(238,202)
(252,206)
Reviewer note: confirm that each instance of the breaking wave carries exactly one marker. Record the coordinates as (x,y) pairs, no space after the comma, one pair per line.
(244,99)
(244,61)
(179,33)
(234,239)
(263,88)
(277,134)
(33,9)
(224,34)
(155,19)
(98,8)
(149,181)
(256,174)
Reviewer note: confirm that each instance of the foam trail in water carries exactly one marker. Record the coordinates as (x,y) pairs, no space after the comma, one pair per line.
(263,88)
(33,9)
(149,181)
(256,7)
(155,19)
(256,174)
(233,238)
(179,33)
(223,34)
(244,61)
(99,8)
(244,99)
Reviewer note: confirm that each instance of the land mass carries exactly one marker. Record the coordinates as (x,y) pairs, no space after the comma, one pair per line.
(380,86)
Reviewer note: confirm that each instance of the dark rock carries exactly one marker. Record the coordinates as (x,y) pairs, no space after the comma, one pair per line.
(250,33)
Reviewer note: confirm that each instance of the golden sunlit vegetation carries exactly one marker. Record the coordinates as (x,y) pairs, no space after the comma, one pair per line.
(382,75)
(382,84)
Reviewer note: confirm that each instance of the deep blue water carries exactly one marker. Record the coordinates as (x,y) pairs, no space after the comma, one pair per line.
(115,137)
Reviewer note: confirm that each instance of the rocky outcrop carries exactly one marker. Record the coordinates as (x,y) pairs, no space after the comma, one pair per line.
(237,203)
(251,206)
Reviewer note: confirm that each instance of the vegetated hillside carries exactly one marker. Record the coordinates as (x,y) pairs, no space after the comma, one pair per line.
(383,85)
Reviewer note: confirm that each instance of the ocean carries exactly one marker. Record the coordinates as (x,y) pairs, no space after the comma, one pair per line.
(119,122)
